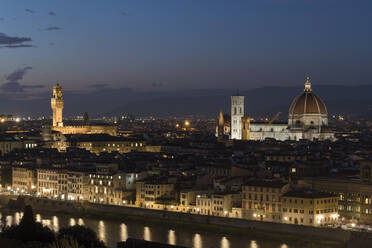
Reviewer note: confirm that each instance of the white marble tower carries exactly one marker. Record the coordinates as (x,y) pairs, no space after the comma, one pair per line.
(237,112)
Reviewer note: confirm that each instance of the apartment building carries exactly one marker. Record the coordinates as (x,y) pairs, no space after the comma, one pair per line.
(51,182)
(261,200)
(153,189)
(77,185)
(24,179)
(107,188)
(217,204)
(309,207)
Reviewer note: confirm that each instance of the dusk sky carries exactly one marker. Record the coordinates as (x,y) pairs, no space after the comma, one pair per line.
(175,44)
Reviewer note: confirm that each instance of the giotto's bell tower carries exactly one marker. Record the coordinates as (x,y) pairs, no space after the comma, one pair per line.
(57,104)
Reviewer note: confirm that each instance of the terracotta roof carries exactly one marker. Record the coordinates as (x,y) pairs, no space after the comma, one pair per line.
(307,103)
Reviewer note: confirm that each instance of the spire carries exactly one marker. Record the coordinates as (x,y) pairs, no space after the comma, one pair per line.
(307,84)
(221,120)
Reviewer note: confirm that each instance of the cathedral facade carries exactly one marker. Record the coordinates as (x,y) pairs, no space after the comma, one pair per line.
(307,119)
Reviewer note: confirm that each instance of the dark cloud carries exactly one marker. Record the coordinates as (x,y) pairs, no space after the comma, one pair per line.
(16,46)
(11,87)
(51,43)
(35,86)
(51,13)
(124,13)
(52,28)
(12,83)
(13,42)
(98,86)
(30,11)
(18,75)
(157,85)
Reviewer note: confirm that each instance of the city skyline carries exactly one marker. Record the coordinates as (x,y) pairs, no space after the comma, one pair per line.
(185,123)
(170,46)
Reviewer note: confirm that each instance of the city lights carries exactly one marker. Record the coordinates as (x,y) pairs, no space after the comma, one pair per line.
(186,124)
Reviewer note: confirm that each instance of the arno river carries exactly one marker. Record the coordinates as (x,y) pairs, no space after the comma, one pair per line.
(111,232)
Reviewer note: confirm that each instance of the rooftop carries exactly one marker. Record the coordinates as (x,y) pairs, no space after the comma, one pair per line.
(312,194)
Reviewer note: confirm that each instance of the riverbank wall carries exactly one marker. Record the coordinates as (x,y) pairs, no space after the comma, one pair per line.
(84,208)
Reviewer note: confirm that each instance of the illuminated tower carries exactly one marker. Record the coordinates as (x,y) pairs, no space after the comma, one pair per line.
(221,125)
(237,112)
(57,106)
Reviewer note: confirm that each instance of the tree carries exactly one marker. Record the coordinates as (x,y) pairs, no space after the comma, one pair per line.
(65,243)
(29,230)
(84,236)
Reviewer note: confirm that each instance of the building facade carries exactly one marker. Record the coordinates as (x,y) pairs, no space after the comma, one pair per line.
(310,208)
(307,119)
(261,200)
(149,191)
(57,104)
(237,112)
(24,179)
(48,182)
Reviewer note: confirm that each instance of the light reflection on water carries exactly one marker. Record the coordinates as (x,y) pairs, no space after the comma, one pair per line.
(225,243)
(72,222)
(112,232)
(198,243)
(146,233)
(123,232)
(80,222)
(55,224)
(38,218)
(9,220)
(17,218)
(102,231)
(171,237)
(253,244)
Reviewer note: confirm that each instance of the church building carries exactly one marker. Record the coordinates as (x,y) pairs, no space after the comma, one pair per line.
(307,119)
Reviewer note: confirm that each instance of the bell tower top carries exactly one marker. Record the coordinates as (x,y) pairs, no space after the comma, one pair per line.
(57,105)
(57,91)
(308,85)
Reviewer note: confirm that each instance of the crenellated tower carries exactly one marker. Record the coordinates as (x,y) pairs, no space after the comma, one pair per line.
(57,104)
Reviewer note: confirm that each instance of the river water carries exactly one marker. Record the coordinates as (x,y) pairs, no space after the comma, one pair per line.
(111,232)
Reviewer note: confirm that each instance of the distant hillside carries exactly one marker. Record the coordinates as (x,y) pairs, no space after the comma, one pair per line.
(350,100)
(265,101)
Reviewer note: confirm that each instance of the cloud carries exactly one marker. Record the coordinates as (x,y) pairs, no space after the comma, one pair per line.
(2,19)
(124,13)
(157,85)
(13,42)
(16,46)
(98,86)
(18,74)
(52,28)
(30,11)
(35,86)
(51,13)
(11,87)
(12,83)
